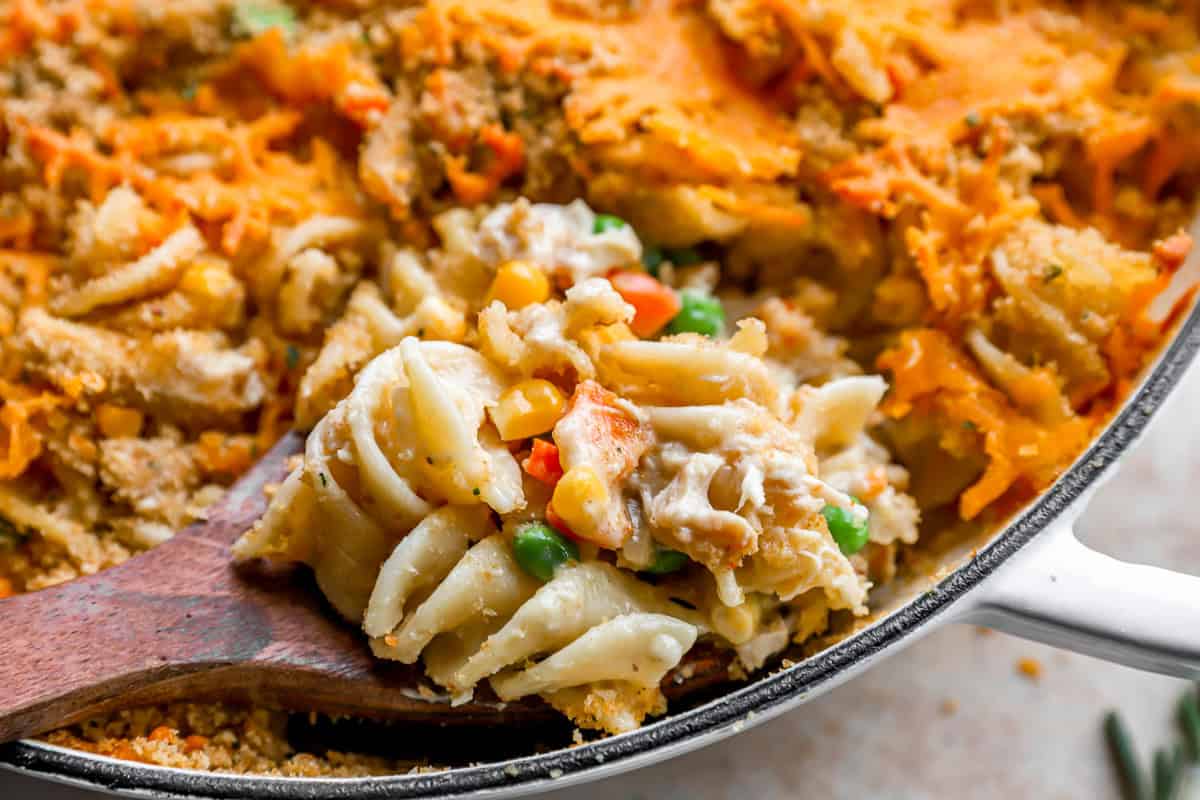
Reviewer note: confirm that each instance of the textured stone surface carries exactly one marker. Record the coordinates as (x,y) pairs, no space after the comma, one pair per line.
(953,717)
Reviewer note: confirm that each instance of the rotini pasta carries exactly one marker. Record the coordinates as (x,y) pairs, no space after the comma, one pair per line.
(157,270)
(693,458)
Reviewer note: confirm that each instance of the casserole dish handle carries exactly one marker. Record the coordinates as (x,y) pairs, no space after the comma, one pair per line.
(1059,591)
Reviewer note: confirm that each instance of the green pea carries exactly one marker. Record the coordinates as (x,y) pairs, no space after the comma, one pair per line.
(699,313)
(666,561)
(607,222)
(683,256)
(652,259)
(851,536)
(540,550)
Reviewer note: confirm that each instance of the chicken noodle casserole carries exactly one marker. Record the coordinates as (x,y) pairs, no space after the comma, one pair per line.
(603,455)
(848,286)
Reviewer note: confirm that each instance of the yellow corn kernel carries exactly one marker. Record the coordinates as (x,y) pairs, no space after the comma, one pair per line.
(208,279)
(518,284)
(116,422)
(528,408)
(581,500)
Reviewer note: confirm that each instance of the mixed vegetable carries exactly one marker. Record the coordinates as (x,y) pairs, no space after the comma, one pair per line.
(540,550)
(699,313)
(850,534)
(529,410)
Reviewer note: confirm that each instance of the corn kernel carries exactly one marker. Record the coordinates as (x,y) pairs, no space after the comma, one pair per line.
(208,279)
(581,500)
(527,409)
(518,284)
(117,421)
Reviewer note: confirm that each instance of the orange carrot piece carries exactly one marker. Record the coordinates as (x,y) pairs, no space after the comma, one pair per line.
(654,304)
(543,463)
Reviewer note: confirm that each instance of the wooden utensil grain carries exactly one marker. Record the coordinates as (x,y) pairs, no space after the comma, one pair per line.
(180,622)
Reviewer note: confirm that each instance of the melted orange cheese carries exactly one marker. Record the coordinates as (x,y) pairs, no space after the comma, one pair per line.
(649,93)
(932,375)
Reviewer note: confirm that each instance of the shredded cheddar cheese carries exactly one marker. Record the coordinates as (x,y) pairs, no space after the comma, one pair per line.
(932,375)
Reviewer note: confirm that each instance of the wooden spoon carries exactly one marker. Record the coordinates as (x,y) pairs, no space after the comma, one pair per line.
(179,622)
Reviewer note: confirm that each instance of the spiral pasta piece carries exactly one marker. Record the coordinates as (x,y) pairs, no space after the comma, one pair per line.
(556,507)
(361,488)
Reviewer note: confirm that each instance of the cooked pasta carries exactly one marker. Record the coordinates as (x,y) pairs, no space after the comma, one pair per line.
(845,290)
(701,449)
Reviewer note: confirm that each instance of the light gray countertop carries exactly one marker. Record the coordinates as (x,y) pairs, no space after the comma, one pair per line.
(953,716)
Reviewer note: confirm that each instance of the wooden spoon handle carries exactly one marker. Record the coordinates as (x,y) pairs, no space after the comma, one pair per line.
(74,648)
(161,618)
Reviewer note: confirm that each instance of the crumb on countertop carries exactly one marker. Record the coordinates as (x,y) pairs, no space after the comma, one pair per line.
(1030,668)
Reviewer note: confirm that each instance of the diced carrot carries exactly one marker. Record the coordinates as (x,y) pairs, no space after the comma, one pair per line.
(654,304)
(6,588)
(543,464)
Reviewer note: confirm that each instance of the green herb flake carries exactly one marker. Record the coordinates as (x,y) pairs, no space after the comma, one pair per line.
(291,356)
(475,491)
(324,480)
(252,19)
(1052,272)
(188,92)
(969,426)
(972,119)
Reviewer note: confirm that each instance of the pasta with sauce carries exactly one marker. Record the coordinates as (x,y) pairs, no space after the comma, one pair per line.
(848,296)
(417,517)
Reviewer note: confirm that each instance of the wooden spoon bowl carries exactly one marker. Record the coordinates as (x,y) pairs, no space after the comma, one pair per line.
(180,622)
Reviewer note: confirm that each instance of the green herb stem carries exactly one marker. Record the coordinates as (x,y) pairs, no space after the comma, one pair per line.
(1133,781)
(1189,720)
